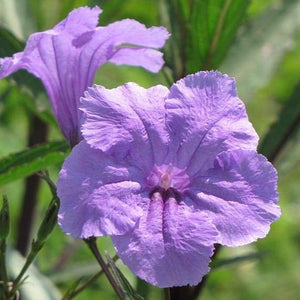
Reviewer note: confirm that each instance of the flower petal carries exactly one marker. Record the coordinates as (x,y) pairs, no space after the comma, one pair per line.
(137,44)
(128,121)
(67,57)
(170,246)
(98,196)
(239,194)
(205,117)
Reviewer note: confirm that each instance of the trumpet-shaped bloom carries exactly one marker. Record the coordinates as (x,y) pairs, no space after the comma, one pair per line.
(67,57)
(167,174)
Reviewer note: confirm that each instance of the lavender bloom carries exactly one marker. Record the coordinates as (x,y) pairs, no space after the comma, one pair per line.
(67,57)
(167,174)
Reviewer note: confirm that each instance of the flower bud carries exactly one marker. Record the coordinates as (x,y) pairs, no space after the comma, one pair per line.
(49,221)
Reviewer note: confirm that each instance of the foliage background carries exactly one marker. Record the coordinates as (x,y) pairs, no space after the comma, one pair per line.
(264,57)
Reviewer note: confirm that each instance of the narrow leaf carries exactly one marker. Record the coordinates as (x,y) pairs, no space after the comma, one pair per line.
(238,259)
(73,272)
(71,289)
(10,44)
(17,15)
(174,15)
(127,289)
(27,162)
(260,47)
(283,128)
(212,28)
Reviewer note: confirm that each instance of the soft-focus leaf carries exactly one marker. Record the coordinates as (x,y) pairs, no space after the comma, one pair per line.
(36,286)
(10,44)
(283,128)
(257,6)
(27,162)
(289,158)
(213,26)
(74,271)
(234,260)
(282,140)
(260,47)
(49,12)
(17,16)
(127,289)
(71,289)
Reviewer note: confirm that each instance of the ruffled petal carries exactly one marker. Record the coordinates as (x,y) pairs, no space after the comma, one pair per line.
(137,44)
(170,246)
(67,57)
(240,195)
(205,117)
(98,196)
(127,122)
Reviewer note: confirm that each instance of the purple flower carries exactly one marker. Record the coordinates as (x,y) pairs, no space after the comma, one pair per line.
(167,174)
(67,57)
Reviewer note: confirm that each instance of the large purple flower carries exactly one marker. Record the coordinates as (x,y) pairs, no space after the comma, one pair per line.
(67,57)
(167,174)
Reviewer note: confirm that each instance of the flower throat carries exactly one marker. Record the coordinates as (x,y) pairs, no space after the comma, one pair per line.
(167,181)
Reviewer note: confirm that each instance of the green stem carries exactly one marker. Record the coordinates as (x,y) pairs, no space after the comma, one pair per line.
(91,242)
(86,284)
(3,268)
(35,248)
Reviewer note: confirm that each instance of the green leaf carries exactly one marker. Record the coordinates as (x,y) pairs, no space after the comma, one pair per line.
(261,46)
(27,162)
(37,286)
(10,44)
(212,28)
(17,16)
(71,289)
(281,143)
(238,259)
(283,128)
(289,157)
(129,292)
(37,102)
(174,15)
(75,271)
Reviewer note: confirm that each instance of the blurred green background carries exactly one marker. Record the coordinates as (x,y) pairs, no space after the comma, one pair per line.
(263,55)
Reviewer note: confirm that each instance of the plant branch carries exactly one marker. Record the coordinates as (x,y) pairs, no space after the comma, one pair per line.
(36,247)
(91,242)
(86,284)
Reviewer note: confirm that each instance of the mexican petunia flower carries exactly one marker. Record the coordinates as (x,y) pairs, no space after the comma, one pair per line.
(67,57)
(167,174)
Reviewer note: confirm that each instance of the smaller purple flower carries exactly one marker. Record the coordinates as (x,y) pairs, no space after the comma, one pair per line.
(67,57)
(167,174)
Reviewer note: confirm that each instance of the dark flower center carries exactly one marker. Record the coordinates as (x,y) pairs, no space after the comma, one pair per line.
(165,193)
